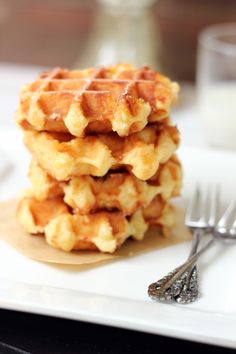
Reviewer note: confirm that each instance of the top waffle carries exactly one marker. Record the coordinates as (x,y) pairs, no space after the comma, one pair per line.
(117,98)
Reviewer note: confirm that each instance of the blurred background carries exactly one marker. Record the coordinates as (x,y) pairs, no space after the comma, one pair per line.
(36,35)
(70,33)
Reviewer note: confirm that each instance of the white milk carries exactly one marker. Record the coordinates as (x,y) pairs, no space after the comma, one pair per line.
(217,108)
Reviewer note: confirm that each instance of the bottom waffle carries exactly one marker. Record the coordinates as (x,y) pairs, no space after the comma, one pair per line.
(103,231)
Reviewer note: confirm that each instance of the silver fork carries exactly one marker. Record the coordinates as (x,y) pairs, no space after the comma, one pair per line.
(181,284)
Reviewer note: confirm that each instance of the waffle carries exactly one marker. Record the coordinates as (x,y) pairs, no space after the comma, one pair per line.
(115,191)
(63,156)
(117,98)
(104,231)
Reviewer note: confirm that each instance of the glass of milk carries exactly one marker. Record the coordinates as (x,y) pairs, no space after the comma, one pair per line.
(216,84)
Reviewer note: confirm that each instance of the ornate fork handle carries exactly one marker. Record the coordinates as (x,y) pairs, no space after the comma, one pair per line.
(179,285)
(187,290)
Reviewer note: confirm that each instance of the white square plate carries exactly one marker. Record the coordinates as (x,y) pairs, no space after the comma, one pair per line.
(116,293)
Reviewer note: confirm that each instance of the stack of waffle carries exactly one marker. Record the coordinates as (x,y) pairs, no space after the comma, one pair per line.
(104,166)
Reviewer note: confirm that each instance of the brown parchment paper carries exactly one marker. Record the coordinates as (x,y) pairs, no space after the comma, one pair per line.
(36,248)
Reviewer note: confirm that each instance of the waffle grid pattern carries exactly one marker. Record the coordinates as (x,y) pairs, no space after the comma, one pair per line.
(118,99)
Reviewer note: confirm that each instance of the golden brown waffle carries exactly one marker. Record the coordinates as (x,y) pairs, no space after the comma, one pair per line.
(141,153)
(103,231)
(118,98)
(119,191)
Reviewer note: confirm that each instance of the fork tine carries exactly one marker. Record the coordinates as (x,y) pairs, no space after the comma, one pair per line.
(233,229)
(226,220)
(205,202)
(193,206)
(214,205)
